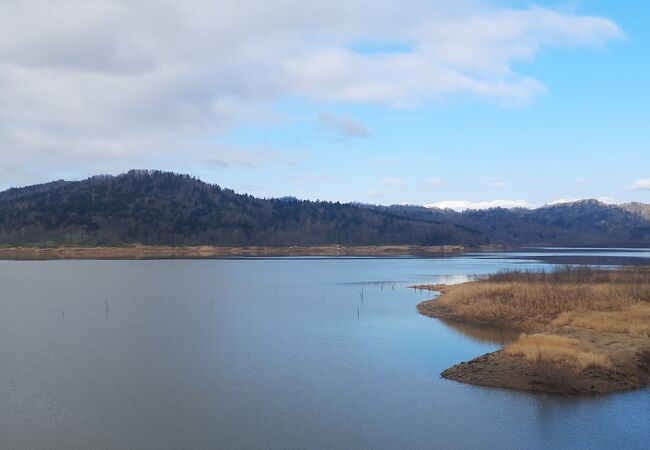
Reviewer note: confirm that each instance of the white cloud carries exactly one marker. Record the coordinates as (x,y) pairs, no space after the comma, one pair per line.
(385,161)
(311,178)
(96,80)
(641,185)
(395,182)
(342,127)
(227,157)
(496,183)
(436,181)
(376,193)
(461,205)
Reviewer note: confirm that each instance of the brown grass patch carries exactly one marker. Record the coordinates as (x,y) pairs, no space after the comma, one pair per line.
(592,325)
(544,348)
(526,299)
(633,320)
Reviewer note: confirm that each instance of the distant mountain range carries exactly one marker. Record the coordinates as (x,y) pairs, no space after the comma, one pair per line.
(153,207)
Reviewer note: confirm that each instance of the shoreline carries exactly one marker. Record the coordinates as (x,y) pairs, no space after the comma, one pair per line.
(630,357)
(137,251)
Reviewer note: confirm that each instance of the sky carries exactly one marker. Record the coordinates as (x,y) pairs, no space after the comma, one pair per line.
(461,104)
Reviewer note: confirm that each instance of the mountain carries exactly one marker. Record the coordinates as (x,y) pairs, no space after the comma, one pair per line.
(640,209)
(580,223)
(153,207)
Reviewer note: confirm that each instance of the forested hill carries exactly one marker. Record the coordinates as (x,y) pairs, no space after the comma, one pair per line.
(152,207)
(588,223)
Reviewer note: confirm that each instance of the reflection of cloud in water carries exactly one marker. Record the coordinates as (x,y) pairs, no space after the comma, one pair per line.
(453,279)
(428,278)
(372,283)
(444,279)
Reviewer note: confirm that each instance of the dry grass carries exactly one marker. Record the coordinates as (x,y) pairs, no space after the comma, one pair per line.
(526,299)
(584,318)
(544,348)
(576,275)
(634,320)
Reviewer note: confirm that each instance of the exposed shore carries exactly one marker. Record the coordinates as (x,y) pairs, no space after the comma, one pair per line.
(596,349)
(171,252)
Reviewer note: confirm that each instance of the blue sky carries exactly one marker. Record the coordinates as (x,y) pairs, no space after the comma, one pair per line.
(555,110)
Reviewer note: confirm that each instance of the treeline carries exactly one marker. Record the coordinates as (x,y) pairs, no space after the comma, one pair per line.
(583,223)
(153,207)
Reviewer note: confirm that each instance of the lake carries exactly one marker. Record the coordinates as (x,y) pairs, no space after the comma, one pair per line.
(267,353)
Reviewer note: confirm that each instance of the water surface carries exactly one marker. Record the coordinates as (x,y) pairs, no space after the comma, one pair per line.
(270,353)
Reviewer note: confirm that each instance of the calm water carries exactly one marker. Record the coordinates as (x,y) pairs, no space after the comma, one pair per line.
(269,353)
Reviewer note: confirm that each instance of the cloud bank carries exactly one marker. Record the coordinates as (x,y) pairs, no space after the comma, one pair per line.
(86,83)
(641,185)
(342,127)
(394,182)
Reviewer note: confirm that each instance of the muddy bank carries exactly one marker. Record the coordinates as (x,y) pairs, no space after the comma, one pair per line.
(630,369)
(499,370)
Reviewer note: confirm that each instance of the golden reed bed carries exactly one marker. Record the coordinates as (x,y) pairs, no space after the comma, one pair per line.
(584,329)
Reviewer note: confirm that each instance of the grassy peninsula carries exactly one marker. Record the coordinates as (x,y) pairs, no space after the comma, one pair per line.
(583,330)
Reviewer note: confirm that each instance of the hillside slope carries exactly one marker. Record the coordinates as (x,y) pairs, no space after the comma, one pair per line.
(581,223)
(153,207)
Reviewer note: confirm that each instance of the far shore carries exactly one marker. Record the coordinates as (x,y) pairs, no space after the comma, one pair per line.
(583,331)
(206,251)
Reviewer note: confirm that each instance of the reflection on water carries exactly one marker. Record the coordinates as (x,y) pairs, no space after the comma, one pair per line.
(578,256)
(483,333)
(452,279)
(597,260)
(267,353)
